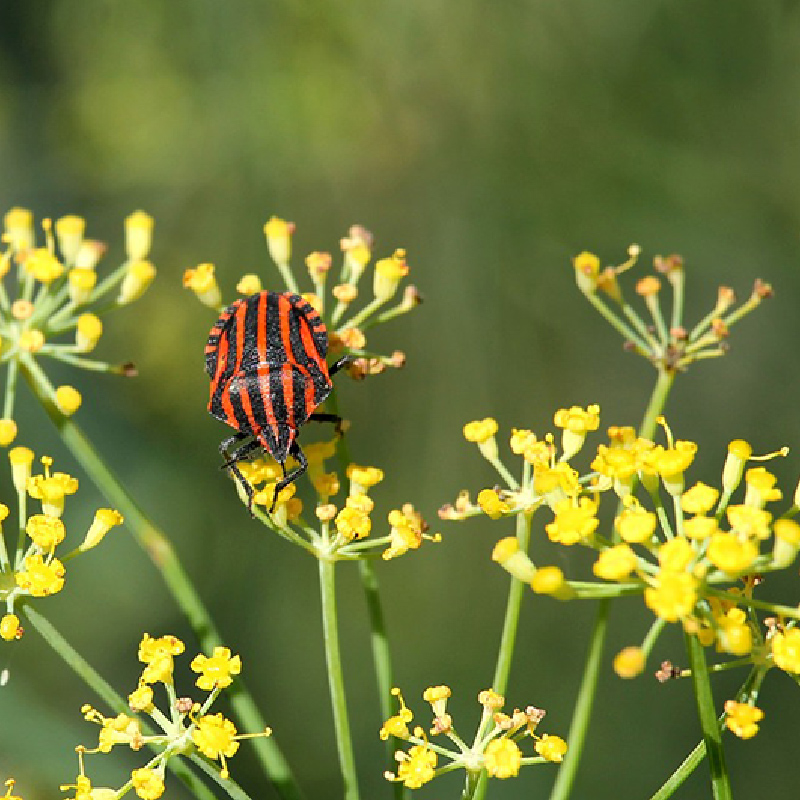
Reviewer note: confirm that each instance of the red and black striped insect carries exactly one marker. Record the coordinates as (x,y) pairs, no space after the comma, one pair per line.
(265,356)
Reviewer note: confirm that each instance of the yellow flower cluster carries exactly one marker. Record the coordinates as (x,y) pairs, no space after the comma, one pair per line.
(35,570)
(183,726)
(495,749)
(680,547)
(60,294)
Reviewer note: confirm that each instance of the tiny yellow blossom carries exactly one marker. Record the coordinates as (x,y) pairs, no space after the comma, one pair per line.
(629,662)
(279,239)
(18,223)
(104,520)
(398,724)
(739,451)
(69,232)
(353,524)
(573,522)
(615,563)
(40,578)
(728,552)
(138,235)
(676,555)
(700,527)
(742,719)
(785,647)
(249,284)
(89,253)
(43,265)
(51,489)
(635,524)
(749,521)
(734,635)
(21,459)
(8,432)
(673,596)
(202,281)
(148,784)
(45,531)
(491,504)
(357,249)
(587,271)
(68,400)
(215,738)
(87,332)
(138,276)
(576,422)
(552,748)
(787,542)
(81,282)
(141,699)
(407,531)
(416,767)
(121,729)
(388,274)
(699,499)
(515,561)
(482,433)
(502,758)
(550,580)
(31,341)
(670,464)
(10,628)
(218,670)
(318,265)
(761,487)
(363,478)
(158,654)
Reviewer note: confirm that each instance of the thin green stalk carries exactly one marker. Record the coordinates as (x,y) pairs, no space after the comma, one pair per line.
(686,768)
(657,402)
(160,550)
(581,716)
(712,734)
(106,693)
(333,660)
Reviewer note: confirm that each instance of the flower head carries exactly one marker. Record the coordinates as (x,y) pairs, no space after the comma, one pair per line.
(218,670)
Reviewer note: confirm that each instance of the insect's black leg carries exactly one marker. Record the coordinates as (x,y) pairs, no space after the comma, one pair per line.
(302,462)
(322,416)
(237,455)
(337,365)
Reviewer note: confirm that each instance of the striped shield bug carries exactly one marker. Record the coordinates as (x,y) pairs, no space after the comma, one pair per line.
(265,356)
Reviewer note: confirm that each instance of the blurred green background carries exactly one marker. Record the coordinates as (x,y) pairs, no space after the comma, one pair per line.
(493,142)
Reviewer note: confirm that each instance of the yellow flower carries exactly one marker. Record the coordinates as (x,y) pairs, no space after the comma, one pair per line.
(670,464)
(673,596)
(202,281)
(749,521)
(81,282)
(699,499)
(138,276)
(352,523)
(676,554)
(363,478)
(51,489)
(491,504)
(700,527)
(502,758)
(552,748)
(45,531)
(21,459)
(68,400)
(215,737)
(41,579)
(786,650)
(787,542)
(573,522)
(18,223)
(148,784)
(104,520)
(218,670)
(398,724)
(279,239)
(141,699)
(734,635)
(629,662)
(416,767)
(10,628)
(407,531)
(69,232)
(731,554)
(550,580)
(742,719)
(615,563)
(388,274)
(761,487)
(8,796)
(249,284)
(318,264)
(576,423)
(31,341)
(636,525)
(482,432)
(158,654)
(138,235)
(555,483)
(587,271)
(739,451)
(121,729)
(515,561)
(8,432)
(87,332)
(43,265)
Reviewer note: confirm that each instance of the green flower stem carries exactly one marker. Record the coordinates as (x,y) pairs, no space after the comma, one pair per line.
(103,689)
(212,770)
(687,767)
(609,316)
(288,276)
(11,388)
(712,735)
(516,591)
(657,402)
(581,716)
(678,281)
(792,612)
(160,550)
(333,659)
